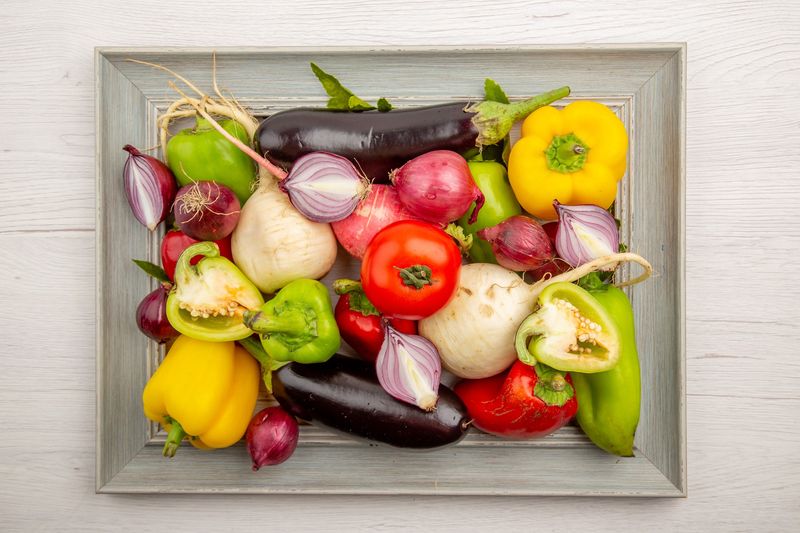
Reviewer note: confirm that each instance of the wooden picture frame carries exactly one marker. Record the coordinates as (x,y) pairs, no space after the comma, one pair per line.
(645,83)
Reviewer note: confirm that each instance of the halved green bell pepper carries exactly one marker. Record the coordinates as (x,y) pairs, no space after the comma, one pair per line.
(203,154)
(570,332)
(500,204)
(210,298)
(297,324)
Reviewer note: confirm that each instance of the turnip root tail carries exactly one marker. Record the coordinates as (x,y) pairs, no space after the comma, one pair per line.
(576,273)
(205,106)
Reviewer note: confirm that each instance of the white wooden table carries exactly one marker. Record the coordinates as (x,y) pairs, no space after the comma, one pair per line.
(743,239)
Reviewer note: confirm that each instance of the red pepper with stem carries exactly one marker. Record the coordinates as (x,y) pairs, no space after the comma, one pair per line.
(176,241)
(524,402)
(360,324)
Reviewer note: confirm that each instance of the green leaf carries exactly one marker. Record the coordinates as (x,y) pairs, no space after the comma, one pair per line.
(342,98)
(354,103)
(152,270)
(384,105)
(493,92)
(593,281)
(463,240)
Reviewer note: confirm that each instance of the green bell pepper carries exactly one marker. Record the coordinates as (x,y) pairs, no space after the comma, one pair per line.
(203,154)
(297,324)
(608,402)
(210,298)
(500,204)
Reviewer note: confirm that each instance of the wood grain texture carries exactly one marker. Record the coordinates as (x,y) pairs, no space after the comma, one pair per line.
(742,241)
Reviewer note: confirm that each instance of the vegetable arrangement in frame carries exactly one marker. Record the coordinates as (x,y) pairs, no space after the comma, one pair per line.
(411,351)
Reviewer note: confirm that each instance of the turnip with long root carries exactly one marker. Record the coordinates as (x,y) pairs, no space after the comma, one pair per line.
(475,332)
(272,243)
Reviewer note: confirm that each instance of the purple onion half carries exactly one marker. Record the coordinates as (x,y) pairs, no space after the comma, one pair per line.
(324,187)
(585,232)
(149,186)
(409,368)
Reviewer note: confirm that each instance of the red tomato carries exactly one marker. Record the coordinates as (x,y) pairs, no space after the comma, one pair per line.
(175,242)
(410,270)
(510,405)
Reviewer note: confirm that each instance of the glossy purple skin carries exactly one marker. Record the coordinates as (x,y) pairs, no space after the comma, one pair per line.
(218,217)
(151,317)
(344,394)
(376,142)
(271,437)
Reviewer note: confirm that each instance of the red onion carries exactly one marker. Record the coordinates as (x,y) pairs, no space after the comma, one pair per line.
(149,186)
(438,187)
(409,368)
(519,243)
(380,208)
(585,232)
(206,210)
(151,316)
(271,437)
(324,187)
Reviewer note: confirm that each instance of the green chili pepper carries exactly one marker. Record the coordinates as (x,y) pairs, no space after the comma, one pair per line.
(492,180)
(297,324)
(203,154)
(608,402)
(210,298)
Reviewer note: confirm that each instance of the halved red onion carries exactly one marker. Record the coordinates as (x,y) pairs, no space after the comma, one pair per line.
(519,243)
(149,186)
(409,368)
(585,232)
(324,187)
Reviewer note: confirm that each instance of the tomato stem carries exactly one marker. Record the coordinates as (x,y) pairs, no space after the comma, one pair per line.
(416,276)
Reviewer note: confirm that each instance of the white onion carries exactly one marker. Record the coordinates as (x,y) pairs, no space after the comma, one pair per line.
(274,244)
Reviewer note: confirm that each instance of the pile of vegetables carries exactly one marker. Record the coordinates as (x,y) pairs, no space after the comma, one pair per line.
(489,261)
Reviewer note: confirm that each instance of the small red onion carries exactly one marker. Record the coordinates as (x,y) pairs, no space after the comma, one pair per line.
(438,187)
(149,186)
(519,243)
(585,232)
(151,316)
(409,368)
(324,187)
(206,210)
(271,437)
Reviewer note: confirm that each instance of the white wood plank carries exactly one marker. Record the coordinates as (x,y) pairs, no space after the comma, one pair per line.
(742,369)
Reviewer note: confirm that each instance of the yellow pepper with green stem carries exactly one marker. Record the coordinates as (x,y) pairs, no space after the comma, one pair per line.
(575,155)
(205,391)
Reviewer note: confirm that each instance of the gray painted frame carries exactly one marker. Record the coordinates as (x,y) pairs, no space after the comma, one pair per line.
(645,83)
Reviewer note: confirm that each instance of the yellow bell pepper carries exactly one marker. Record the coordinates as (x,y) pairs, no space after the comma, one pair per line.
(203,390)
(575,155)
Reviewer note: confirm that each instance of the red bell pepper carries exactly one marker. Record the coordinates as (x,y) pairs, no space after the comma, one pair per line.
(176,241)
(360,324)
(521,403)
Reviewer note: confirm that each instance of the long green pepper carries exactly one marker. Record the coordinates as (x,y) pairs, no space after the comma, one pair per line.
(609,402)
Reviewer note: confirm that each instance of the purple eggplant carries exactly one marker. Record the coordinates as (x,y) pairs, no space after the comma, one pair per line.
(344,394)
(380,142)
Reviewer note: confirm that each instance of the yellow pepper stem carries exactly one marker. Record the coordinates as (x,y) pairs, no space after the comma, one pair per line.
(566,153)
(174,438)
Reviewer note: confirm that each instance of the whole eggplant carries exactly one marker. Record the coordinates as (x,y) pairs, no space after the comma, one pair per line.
(344,394)
(380,142)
